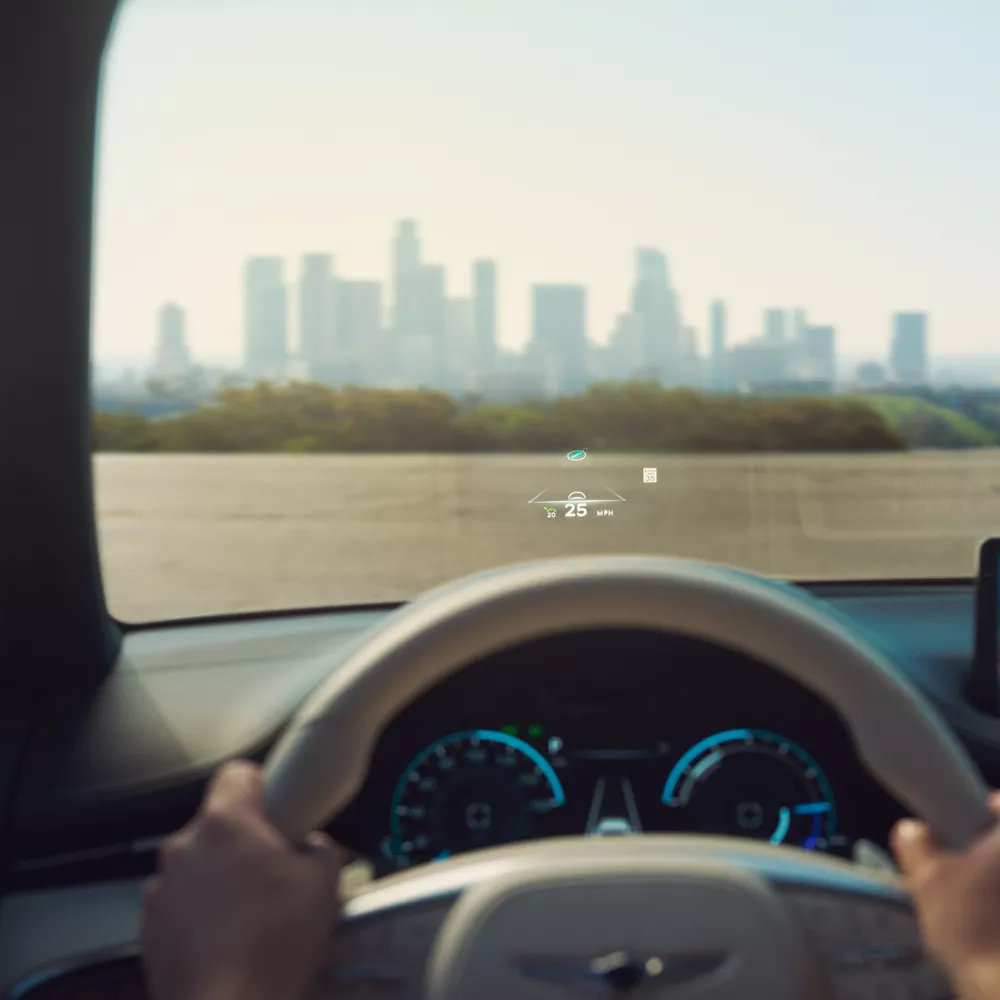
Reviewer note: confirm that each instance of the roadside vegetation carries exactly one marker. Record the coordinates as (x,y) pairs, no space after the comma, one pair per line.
(632,416)
(926,424)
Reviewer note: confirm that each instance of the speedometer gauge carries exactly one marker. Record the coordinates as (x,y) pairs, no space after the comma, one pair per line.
(752,783)
(470,790)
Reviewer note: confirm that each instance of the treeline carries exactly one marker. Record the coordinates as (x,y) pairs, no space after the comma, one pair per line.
(926,424)
(955,417)
(633,416)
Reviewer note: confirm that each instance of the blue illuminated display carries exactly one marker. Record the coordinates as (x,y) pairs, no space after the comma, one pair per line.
(526,750)
(699,762)
(675,776)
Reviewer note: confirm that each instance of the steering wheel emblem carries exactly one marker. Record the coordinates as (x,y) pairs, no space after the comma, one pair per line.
(620,973)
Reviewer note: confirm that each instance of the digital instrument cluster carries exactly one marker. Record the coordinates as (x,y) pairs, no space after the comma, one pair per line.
(612,732)
(484,787)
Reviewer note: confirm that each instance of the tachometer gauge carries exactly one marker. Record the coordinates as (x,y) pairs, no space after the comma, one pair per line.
(752,783)
(470,790)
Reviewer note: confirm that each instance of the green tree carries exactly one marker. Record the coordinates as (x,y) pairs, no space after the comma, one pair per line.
(630,416)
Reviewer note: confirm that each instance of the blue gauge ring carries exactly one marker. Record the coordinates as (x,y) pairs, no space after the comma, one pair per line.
(486,736)
(709,749)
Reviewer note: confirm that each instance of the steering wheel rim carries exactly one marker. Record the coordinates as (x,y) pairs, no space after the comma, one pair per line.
(322,758)
(589,913)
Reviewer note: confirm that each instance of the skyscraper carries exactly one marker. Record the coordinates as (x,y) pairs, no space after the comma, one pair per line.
(559,335)
(405,264)
(431,297)
(717,345)
(484,297)
(358,346)
(420,352)
(818,354)
(799,324)
(908,351)
(460,345)
(688,367)
(265,340)
(625,359)
(655,306)
(774,326)
(316,309)
(689,340)
(172,359)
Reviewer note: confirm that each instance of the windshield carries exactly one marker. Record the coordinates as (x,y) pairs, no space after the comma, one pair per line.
(387,293)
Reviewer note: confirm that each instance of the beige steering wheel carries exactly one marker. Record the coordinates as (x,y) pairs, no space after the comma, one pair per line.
(643,915)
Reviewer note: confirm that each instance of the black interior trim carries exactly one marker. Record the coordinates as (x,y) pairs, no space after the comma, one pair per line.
(984,689)
(885,586)
(255,616)
(54,629)
(114,972)
(52,611)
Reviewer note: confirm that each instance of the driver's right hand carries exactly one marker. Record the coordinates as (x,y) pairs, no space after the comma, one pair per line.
(957,898)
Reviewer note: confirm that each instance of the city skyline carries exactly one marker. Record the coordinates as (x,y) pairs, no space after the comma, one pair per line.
(739,144)
(309,322)
(297,295)
(293,274)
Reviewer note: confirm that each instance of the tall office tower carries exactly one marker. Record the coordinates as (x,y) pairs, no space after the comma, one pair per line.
(908,351)
(818,355)
(358,342)
(420,359)
(559,335)
(799,324)
(484,297)
(172,358)
(625,358)
(431,298)
(689,369)
(655,306)
(265,341)
(718,378)
(774,326)
(460,346)
(405,265)
(316,310)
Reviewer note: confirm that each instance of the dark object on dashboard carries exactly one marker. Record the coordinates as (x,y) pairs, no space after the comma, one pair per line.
(984,679)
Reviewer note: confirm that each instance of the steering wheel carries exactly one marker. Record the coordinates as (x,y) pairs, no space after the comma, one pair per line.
(589,916)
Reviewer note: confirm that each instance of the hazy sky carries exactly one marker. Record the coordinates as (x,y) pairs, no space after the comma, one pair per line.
(840,155)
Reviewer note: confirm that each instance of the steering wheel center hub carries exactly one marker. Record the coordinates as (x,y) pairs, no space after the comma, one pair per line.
(599,924)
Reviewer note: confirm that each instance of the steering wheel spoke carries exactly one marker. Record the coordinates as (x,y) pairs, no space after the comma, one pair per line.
(385,953)
(869,944)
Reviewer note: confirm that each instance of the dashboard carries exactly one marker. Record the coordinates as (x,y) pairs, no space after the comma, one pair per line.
(612,733)
(110,773)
